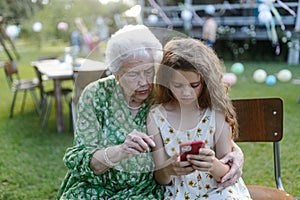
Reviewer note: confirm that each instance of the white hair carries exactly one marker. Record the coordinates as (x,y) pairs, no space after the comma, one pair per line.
(131,41)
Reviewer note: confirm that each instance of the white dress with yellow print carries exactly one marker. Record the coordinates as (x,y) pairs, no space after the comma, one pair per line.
(197,185)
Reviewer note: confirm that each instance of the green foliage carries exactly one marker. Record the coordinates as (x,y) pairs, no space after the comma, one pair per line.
(67,11)
(31,164)
(14,11)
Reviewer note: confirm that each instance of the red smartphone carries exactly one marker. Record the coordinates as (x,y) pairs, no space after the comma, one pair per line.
(190,148)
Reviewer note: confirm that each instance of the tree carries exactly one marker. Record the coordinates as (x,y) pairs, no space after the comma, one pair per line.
(13,11)
(67,11)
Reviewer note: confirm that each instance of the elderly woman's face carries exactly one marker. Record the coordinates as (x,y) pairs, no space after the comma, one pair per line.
(136,78)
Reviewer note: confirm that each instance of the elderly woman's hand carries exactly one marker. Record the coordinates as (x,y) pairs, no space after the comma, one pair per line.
(137,142)
(236,160)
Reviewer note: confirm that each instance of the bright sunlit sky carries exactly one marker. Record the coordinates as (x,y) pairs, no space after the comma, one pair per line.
(129,2)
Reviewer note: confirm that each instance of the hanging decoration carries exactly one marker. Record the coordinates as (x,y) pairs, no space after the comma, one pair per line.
(12,31)
(188,12)
(152,19)
(161,13)
(37,27)
(266,9)
(62,26)
(186,15)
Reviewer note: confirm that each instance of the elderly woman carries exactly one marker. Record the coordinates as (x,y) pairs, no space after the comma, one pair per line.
(111,157)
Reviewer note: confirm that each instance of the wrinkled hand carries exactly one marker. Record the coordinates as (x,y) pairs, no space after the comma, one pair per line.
(177,168)
(236,160)
(202,161)
(137,142)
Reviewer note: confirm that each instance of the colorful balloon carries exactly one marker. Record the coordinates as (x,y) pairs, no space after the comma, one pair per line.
(210,9)
(265,16)
(152,19)
(259,75)
(237,68)
(12,31)
(271,80)
(37,26)
(229,78)
(284,75)
(186,15)
(62,26)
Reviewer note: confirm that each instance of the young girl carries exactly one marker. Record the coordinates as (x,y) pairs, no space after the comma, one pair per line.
(192,105)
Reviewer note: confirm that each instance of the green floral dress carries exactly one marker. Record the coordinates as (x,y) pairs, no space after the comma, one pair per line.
(104,120)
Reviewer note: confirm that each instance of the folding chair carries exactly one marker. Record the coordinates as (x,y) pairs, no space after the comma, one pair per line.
(17,85)
(261,120)
(48,95)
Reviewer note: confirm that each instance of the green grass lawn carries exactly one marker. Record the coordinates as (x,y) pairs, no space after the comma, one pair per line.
(31,164)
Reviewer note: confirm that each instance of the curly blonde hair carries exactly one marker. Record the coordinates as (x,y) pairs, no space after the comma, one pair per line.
(189,54)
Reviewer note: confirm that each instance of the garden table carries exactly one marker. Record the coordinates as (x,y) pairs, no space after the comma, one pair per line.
(58,72)
(61,71)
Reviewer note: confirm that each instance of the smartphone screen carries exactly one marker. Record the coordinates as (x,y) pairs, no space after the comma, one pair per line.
(190,148)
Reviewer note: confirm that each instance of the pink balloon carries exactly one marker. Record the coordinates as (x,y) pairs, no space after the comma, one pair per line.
(62,26)
(229,78)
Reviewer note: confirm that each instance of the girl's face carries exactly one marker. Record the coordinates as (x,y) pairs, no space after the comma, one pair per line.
(186,86)
(136,78)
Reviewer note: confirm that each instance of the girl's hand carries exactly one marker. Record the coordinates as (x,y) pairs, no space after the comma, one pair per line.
(137,142)
(206,161)
(174,167)
(202,161)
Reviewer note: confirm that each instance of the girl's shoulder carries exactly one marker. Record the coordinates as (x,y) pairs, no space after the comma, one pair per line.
(158,109)
(158,113)
(220,116)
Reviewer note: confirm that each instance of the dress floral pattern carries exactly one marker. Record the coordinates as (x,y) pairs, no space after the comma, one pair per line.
(197,185)
(105,120)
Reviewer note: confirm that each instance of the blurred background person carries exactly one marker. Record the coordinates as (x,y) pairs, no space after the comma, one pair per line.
(210,26)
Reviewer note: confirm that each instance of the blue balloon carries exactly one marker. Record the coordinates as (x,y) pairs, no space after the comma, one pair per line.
(271,80)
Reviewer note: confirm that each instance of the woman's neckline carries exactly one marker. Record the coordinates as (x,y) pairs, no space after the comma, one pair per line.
(134,108)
